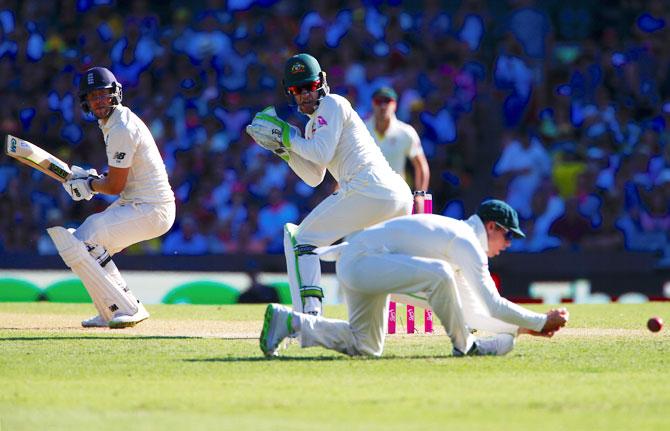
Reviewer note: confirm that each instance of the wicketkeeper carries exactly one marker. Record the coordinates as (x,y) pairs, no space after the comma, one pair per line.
(438,260)
(145,208)
(336,140)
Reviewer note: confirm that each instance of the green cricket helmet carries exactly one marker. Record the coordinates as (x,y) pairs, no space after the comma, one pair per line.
(303,71)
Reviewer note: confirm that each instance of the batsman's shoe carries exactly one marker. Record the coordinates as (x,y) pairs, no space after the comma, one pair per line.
(497,345)
(125,320)
(276,327)
(95,322)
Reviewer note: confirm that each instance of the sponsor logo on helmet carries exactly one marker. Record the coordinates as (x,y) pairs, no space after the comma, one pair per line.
(90,78)
(297,68)
(12,148)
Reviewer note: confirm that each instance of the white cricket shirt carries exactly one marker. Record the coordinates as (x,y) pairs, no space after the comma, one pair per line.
(130,145)
(399,143)
(336,139)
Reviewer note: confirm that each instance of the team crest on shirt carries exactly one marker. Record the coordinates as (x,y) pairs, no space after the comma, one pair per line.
(318,123)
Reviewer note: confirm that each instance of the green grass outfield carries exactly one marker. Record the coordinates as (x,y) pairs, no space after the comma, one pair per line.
(198,367)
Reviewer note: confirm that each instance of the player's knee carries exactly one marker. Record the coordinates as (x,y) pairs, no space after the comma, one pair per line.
(304,250)
(444,271)
(365,345)
(99,253)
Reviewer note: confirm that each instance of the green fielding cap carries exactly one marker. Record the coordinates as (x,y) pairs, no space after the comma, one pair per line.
(501,213)
(385,92)
(301,69)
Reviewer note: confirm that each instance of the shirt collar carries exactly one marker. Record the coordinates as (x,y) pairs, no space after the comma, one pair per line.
(114,117)
(480,231)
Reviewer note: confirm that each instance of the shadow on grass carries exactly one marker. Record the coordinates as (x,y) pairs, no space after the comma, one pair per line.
(98,337)
(316,358)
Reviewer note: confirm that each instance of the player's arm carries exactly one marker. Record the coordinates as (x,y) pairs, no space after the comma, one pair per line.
(419,162)
(421,172)
(121,149)
(320,149)
(311,173)
(474,266)
(112,183)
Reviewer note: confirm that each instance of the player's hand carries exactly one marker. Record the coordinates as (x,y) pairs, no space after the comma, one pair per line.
(419,202)
(548,334)
(79,189)
(556,319)
(79,172)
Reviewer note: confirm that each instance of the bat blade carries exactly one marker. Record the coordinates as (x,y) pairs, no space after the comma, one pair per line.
(37,158)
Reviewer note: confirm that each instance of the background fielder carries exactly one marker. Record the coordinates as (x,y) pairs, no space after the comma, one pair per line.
(336,140)
(444,260)
(145,208)
(397,140)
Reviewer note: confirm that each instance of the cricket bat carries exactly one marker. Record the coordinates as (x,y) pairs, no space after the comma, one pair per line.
(37,158)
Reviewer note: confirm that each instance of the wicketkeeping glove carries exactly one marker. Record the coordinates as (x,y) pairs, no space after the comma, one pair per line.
(272,133)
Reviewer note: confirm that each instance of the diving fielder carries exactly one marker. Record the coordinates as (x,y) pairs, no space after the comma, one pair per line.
(336,140)
(441,260)
(145,208)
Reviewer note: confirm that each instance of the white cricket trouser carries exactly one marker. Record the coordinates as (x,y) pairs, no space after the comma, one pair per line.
(123,224)
(367,279)
(343,213)
(337,216)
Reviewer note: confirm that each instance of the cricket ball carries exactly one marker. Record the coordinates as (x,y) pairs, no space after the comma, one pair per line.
(655,324)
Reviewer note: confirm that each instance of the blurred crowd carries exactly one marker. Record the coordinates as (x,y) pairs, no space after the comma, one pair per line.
(559,107)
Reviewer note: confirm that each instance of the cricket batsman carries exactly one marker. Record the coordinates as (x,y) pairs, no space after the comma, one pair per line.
(145,208)
(337,140)
(442,260)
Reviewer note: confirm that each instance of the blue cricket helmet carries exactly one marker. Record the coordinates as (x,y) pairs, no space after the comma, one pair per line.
(96,78)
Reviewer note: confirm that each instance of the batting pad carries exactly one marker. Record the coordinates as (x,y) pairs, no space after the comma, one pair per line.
(108,297)
(292,270)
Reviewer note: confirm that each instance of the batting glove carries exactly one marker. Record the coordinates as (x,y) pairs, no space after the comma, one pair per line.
(79,189)
(78,172)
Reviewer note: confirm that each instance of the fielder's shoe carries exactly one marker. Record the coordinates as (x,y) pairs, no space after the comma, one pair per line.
(125,320)
(276,327)
(95,322)
(497,345)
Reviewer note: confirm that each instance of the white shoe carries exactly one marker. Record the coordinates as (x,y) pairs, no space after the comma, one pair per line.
(95,322)
(276,326)
(498,345)
(312,305)
(125,320)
